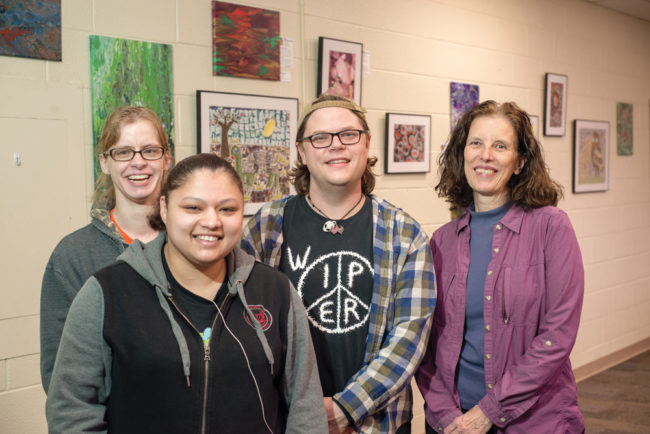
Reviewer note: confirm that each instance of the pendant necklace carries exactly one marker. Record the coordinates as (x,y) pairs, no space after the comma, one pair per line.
(333,226)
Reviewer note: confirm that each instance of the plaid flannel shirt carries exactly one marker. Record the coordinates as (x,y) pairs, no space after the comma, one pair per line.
(378,397)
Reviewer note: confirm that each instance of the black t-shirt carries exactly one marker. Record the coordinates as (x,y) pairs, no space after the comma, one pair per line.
(201,311)
(333,274)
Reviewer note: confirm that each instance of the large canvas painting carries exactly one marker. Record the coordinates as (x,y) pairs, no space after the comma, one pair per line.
(624,129)
(126,72)
(256,134)
(31,28)
(463,97)
(245,41)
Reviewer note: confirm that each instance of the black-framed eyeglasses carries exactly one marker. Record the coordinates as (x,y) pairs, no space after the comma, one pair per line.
(324,140)
(127,154)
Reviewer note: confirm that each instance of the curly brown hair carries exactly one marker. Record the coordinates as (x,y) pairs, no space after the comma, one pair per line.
(300,175)
(532,187)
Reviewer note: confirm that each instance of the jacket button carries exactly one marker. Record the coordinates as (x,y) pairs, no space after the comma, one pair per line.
(496,250)
(548,343)
(488,327)
(498,227)
(488,297)
(488,356)
(490,385)
(490,272)
(502,420)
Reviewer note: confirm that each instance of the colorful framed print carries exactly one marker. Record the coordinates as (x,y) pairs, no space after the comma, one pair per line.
(256,134)
(590,156)
(555,104)
(408,143)
(339,68)
(245,41)
(624,128)
(31,28)
(462,97)
(126,72)
(534,122)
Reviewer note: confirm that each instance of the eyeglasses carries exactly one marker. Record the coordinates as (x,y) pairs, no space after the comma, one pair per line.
(324,140)
(127,154)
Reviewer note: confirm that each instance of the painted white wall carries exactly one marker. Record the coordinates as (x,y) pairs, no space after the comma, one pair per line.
(417,47)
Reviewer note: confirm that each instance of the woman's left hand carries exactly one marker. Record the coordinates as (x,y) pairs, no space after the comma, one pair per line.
(472,422)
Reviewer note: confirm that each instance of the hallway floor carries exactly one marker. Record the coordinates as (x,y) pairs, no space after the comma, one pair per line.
(617,400)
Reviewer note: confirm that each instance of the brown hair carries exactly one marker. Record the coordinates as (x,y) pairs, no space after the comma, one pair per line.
(181,172)
(300,175)
(532,187)
(104,195)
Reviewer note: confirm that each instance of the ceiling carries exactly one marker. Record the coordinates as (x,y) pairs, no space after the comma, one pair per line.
(636,8)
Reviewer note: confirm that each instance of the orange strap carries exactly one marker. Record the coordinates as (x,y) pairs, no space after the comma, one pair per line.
(127,239)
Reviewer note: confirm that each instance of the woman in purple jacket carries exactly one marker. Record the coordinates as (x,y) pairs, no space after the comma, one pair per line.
(510,286)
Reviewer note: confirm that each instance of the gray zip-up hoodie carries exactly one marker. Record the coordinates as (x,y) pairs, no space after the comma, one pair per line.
(82,382)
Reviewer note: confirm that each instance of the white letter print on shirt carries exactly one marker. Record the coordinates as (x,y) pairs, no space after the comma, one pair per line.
(338,310)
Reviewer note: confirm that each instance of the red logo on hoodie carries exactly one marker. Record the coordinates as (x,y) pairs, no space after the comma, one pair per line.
(262,316)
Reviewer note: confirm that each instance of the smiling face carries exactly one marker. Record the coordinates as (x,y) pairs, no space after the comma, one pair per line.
(339,166)
(138,180)
(490,160)
(204,219)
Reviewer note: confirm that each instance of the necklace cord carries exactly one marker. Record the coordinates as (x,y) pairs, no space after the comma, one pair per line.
(336,221)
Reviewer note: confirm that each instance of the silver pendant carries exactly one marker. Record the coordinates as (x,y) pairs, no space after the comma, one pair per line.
(332,227)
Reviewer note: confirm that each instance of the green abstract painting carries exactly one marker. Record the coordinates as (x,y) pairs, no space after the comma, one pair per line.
(126,72)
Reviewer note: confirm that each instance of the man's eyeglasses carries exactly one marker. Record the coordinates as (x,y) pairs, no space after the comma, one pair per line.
(127,154)
(324,140)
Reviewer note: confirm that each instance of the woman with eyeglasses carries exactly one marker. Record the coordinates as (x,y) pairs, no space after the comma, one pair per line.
(135,156)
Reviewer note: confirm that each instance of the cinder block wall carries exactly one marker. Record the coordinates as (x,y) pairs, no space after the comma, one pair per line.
(417,47)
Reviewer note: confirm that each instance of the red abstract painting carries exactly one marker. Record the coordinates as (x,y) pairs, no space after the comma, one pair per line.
(246,41)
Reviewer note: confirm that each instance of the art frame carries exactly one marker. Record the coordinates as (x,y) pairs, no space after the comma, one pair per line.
(339,68)
(590,156)
(260,136)
(462,98)
(534,122)
(555,103)
(624,128)
(245,41)
(408,143)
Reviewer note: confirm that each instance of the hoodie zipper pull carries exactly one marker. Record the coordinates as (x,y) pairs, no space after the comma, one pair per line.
(206,352)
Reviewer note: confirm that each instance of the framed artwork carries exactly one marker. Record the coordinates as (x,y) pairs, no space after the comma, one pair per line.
(245,41)
(534,122)
(126,72)
(339,68)
(590,156)
(555,104)
(257,134)
(624,128)
(31,28)
(462,97)
(408,143)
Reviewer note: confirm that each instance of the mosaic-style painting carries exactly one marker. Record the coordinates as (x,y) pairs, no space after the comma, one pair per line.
(245,41)
(463,98)
(409,143)
(31,28)
(126,72)
(624,128)
(257,141)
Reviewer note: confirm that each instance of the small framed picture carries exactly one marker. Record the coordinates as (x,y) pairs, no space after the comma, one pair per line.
(534,122)
(256,134)
(555,104)
(624,128)
(408,143)
(590,156)
(339,68)
(462,98)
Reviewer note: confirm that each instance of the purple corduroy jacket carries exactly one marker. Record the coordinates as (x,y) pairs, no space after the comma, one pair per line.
(532,302)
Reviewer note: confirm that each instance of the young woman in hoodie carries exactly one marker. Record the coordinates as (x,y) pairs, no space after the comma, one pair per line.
(134,159)
(188,333)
